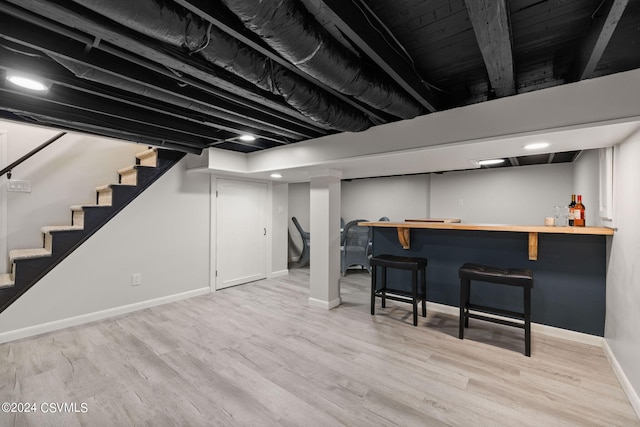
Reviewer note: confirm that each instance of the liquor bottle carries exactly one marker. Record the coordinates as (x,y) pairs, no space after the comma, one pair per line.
(578,213)
(572,206)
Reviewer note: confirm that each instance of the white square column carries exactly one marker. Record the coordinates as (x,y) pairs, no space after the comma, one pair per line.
(324,227)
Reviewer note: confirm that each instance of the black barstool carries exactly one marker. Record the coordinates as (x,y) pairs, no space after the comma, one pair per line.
(504,276)
(415,265)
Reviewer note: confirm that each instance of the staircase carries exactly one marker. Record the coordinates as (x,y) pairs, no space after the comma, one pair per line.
(30,265)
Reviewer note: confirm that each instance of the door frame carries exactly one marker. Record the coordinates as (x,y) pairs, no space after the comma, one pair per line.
(4,237)
(213,222)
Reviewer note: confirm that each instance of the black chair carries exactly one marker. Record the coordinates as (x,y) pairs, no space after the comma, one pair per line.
(306,243)
(412,294)
(354,246)
(503,276)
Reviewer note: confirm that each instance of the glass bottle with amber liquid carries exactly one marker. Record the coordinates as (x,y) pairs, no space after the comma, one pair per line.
(578,213)
(572,206)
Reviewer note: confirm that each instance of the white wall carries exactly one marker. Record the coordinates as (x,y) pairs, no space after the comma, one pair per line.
(586,182)
(518,195)
(279,234)
(163,234)
(299,205)
(622,331)
(398,198)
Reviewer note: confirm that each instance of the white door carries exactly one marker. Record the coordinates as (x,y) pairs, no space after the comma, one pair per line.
(241,242)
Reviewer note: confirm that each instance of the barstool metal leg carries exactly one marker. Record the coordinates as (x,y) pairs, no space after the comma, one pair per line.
(424,292)
(527,322)
(414,295)
(464,304)
(373,290)
(384,287)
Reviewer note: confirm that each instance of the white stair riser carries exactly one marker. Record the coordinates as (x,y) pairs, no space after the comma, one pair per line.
(105,197)
(149,161)
(48,242)
(129,178)
(148,158)
(77,218)
(6,281)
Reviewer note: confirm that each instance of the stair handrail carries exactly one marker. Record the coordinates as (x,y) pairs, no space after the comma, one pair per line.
(27,156)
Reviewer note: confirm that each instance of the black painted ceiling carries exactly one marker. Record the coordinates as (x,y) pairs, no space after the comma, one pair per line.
(192,74)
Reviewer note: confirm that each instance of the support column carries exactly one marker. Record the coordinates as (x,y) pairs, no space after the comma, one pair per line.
(324,227)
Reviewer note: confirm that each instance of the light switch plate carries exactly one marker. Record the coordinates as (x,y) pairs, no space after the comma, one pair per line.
(20,186)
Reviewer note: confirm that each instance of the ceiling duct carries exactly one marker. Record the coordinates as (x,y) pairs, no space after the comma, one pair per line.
(233,121)
(292,31)
(174,25)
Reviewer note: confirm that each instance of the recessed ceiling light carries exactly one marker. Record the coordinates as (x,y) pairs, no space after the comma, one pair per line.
(536,146)
(490,162)
(247,138)
(276,175)
(27,82)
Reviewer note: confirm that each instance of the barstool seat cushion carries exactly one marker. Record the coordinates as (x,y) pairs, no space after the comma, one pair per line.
(400,262)
(505,276)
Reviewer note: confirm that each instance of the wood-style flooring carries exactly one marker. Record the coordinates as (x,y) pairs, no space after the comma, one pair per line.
(258,355)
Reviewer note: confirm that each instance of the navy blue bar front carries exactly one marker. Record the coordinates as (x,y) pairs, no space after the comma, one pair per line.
(569,275)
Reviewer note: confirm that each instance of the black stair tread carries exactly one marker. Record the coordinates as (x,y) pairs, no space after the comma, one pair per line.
(111,186)
(79,208)
(134,167)
(53,228)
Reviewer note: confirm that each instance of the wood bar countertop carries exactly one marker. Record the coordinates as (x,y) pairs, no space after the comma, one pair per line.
(404,229)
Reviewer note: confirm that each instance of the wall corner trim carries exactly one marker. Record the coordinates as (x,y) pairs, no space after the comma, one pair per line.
(631,393)
(280,273)
(328,305)
(31,331)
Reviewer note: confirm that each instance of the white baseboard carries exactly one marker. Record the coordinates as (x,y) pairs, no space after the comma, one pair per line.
(535,327)
(279,273)
(314,302)
(98,315)
(631,393)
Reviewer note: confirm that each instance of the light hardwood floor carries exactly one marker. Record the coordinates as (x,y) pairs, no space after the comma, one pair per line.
(257,355)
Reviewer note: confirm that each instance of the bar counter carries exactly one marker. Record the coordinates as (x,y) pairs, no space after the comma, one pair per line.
(404,228)
(569,265)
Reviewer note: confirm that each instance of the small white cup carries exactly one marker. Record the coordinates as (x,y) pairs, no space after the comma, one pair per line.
(549,221)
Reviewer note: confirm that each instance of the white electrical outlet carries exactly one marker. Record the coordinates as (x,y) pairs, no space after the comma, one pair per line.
(18,185)
(136,279)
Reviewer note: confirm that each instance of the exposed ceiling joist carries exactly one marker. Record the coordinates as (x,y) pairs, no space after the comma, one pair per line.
(156,97)
(604,23)
(67,99)
(228,23)
(360,25)
(200,73)
(234,88)
(490,20)
(61,107)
